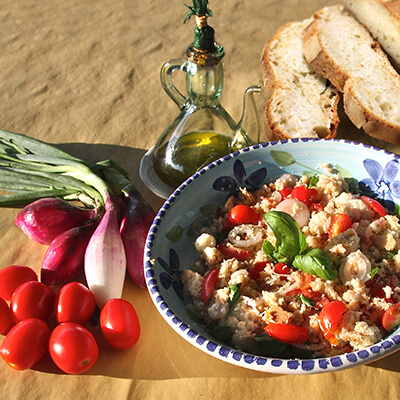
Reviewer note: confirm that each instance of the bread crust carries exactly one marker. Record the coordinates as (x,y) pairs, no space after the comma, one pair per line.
(382,19)
(360,114)
(362,117)
(281,91)
(271,81)
(393,6)
(319,58)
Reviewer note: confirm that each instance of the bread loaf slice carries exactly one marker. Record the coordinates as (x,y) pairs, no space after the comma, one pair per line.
(303,103)
(342,50)
(382,18)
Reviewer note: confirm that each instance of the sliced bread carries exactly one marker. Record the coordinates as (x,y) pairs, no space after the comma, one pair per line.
(303,103)
(343,51)
(382,18)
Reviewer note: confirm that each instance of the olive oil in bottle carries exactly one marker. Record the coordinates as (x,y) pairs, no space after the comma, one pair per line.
(189,153)
(203,131)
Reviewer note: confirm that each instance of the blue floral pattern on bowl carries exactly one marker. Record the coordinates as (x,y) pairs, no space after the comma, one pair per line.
(239,169)
(382,182)
(240,179)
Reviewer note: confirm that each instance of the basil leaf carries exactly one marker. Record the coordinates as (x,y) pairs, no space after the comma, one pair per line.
(222,333)
(315,262)
(313,181)
(306,301)
(296,352)
(268,248)
(234,294)
(390,255)
(269,347)
(374,270)
(290,240)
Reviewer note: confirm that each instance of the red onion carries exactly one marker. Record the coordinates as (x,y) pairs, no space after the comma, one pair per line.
(45,219)
(64,259)
(135,224)
(105,260)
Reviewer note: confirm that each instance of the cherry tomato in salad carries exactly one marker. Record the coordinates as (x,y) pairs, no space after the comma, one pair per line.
(318,299)
(374,205)
(391,317)
(286,192)
(75,303)
(287,333)
(25,344)
(242,214)
(208,285)
(73,348)
(230,251)
(340,223)
(306,195)
(377,291)
(258,267)
(282,268)
(120,324)
(5,317)
(317,207)
(329,318)
(33,300)
(13,276)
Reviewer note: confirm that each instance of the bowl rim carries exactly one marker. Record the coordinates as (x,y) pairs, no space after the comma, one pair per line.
(274,365)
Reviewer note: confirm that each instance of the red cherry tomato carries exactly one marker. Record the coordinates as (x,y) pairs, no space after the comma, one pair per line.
(329,318)
(391,317)
(340,223)
(258,267)
(120,324)
(5,317)
(317,207)
(13,276)
(282,268)
(287,333)
(75,303)
(377,291)
(305,194)
(25,344)
(73,348)
(33,300)
(286,192)
(374,205)
(228,250)
(208,285)
(242,214)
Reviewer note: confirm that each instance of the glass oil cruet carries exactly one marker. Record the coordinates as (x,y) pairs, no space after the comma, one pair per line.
(203,131)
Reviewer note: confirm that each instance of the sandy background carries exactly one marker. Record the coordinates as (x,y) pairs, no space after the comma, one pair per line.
(85,75)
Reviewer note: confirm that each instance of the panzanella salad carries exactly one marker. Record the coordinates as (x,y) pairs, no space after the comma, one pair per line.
(302,267)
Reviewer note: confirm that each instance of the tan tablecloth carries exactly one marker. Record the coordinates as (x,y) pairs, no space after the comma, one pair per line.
(85,75)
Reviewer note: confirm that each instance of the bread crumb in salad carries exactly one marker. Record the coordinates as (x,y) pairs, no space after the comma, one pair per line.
(333,287)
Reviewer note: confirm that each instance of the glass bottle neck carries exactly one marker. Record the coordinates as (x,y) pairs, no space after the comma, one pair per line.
(204,84)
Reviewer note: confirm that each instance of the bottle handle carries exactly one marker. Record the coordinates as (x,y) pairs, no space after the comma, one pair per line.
(166,80)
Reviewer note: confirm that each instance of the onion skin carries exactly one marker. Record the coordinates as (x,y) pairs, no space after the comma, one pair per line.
(135,224)
(45,219)
(64,258)
(105,260)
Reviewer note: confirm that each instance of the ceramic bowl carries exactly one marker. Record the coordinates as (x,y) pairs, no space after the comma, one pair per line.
(170,243)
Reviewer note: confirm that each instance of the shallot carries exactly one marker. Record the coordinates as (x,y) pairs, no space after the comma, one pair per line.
(135,224)
(44,219)
(355,265)
(105,260)
(297,209)
(31,169)
(64,258)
